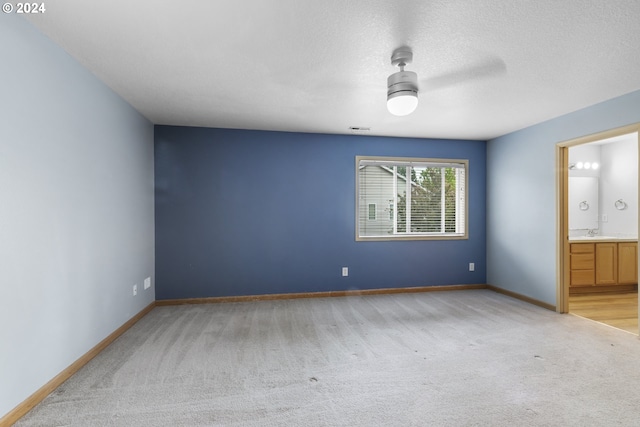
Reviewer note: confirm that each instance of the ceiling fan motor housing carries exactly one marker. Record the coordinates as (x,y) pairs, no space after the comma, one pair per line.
(402,83)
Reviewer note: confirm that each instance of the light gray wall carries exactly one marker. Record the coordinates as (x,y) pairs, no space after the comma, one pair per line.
(76,210)
(619,180)
(521,193)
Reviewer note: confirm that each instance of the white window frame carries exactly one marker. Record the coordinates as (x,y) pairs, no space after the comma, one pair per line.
(461,199)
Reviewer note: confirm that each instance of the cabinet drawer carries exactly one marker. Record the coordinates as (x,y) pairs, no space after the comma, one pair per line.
(583,277)
(582,261)
(582,248)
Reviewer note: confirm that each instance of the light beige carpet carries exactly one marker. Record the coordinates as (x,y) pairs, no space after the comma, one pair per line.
(459,358)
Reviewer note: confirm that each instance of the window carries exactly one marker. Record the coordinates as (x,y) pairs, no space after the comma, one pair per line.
(426,198)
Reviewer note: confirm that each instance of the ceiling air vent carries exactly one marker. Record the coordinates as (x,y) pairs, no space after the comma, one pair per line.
(359,129)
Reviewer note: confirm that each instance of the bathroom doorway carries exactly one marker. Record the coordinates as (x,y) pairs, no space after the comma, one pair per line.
(598,227)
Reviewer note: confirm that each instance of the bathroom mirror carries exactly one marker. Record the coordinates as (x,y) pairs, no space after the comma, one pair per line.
(583,202)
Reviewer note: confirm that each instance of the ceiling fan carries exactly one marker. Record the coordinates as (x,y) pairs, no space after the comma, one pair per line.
(402,86)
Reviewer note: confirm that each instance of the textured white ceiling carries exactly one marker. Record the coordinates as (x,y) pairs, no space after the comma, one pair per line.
(486,67)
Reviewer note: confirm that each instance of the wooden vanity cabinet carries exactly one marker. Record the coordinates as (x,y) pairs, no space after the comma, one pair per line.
(606,263)
(582,264)
(627,263)
(603,263)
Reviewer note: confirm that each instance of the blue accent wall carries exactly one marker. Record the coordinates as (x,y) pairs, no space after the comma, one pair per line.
(242,212)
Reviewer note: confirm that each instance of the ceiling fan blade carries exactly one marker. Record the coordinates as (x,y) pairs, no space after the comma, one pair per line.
(488,68)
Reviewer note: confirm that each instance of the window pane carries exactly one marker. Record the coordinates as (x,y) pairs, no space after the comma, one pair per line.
(401,203)
(376,188)
(450,200)
(426,201)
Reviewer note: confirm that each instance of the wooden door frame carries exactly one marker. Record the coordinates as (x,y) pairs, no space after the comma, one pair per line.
(562,207)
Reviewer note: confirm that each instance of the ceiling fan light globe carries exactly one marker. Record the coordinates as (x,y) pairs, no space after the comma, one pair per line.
(402,103)
(402,93)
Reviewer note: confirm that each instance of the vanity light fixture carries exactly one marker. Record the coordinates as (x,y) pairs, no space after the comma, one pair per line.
(584,165)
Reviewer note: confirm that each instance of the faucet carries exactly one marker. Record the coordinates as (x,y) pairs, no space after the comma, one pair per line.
(591,232)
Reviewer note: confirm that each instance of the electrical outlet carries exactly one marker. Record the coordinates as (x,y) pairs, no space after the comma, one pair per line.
(472,266)
(147,283)
(605,218)
(345,271)
(135,290)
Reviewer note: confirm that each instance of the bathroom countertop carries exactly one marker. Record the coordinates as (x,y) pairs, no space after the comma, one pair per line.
(596,239)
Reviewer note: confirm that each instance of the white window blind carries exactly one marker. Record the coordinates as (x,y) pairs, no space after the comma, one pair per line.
(426,198)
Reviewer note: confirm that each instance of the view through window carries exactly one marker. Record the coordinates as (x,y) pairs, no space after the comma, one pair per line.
(410,198)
